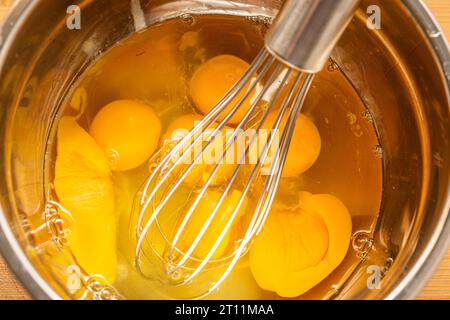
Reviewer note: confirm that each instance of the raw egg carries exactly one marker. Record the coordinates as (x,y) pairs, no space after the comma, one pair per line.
(304,148)
(84,188)
(297,249)
(212,80)
(128,132)
(209,158)
(201,214)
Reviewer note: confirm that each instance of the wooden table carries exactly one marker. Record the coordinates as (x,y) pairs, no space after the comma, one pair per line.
(439,285)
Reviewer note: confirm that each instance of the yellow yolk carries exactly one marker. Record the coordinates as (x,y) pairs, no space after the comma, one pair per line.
(84,188)
(297,250)
(128,132)
(202,170)
(304,148)
(212,80)
(201,214)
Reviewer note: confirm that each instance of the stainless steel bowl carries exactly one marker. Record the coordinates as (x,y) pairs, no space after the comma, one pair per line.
(407,60)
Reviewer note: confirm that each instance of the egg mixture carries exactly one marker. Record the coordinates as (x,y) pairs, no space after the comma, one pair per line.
(125,109)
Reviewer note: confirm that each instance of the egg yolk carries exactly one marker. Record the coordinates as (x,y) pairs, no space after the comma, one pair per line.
(201,171)
(297,250)
(304,148)
(147,68)
(128,132)
(84,188)
(212,80)
(201,214)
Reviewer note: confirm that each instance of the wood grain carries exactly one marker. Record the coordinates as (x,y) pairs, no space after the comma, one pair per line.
(439,285)
(438,288)
(441,10)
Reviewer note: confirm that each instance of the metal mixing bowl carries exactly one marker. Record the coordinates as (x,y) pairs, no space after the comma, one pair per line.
(407,60)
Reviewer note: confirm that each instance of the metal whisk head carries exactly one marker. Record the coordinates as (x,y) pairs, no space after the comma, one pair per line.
(167,206)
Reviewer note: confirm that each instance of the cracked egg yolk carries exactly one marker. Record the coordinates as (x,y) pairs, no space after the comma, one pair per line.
(84,188)
(212,80)
(297,249)
(201,214)
(128,132)
(304,148)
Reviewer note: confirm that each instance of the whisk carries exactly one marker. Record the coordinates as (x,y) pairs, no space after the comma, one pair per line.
(297,45)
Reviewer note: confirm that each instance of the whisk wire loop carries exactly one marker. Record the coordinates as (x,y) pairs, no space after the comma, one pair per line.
(270,187)
(209,119)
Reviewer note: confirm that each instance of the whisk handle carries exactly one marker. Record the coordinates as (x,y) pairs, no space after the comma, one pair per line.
(306,31)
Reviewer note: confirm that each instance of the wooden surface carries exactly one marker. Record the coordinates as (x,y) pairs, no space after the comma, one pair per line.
(437,288)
